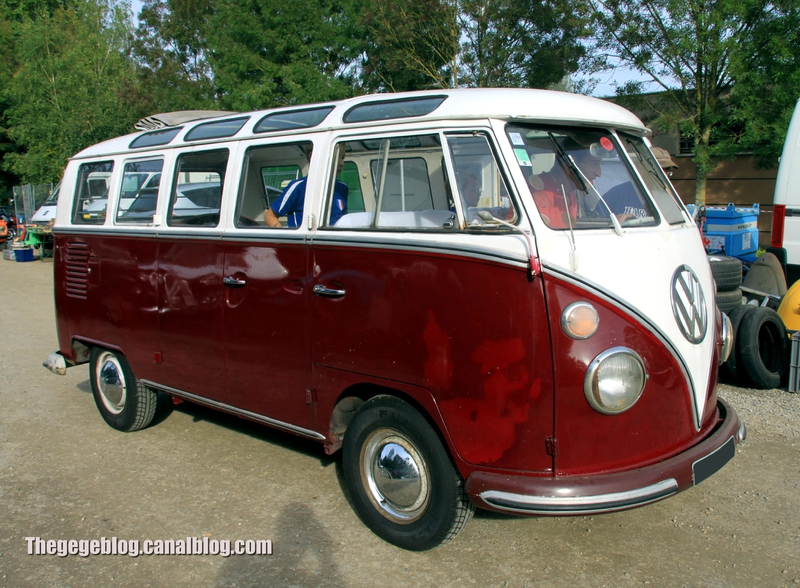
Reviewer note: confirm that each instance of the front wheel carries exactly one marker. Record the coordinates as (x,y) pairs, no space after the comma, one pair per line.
(403,484)
(124,403)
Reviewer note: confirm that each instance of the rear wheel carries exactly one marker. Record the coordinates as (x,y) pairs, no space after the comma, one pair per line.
(124,403)
(403,484)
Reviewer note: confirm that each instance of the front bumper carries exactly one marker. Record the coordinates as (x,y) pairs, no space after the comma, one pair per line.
(582,495)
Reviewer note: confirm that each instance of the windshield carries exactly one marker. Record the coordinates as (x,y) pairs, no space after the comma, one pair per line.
(52,200)
(578,179)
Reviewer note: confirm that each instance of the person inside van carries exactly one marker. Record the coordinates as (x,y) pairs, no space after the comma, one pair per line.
(470,188)
(292,200)
(546,188)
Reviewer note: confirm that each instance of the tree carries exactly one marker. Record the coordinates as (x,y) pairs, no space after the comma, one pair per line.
(686,48)
(767,73)
(521,43)
(266,53)
(171,52)
(74,86)
(412,45)
(421,44)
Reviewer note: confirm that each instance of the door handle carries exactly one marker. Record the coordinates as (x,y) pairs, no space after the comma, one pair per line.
(234,282)
(321,290)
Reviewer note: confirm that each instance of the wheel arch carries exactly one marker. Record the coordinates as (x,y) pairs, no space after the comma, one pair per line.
(352,398)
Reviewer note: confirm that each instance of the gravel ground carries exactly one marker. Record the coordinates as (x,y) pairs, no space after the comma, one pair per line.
(64,474)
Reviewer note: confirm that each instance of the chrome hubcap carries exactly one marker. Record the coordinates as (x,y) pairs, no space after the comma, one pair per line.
(395,476)
(111,382)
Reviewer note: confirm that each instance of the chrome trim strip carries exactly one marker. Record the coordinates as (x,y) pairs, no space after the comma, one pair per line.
(409,244)
(636,314)
(237,411)
(571,505)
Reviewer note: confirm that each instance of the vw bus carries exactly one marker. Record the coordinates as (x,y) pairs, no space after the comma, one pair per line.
(514,313)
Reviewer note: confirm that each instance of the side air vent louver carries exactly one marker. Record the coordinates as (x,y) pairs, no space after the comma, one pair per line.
(77,270)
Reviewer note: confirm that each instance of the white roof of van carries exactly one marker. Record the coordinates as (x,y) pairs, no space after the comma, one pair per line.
(475,103)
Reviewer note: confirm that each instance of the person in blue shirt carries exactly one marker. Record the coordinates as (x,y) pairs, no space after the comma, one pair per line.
(292,200)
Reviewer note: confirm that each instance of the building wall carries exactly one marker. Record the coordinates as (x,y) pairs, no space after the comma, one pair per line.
(735,181)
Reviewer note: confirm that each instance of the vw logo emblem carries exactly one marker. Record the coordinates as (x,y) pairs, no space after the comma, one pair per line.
(689,304)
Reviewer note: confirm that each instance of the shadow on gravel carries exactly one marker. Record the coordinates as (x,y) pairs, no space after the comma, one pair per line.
(301,555)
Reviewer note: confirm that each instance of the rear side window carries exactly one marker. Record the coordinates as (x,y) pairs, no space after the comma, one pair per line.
(91,193)
(139,192)
(197,191)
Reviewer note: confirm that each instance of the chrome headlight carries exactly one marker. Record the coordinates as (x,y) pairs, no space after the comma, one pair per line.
(614,381)
(727,339)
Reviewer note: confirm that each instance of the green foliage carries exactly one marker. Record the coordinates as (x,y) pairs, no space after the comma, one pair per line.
(686,47)
(413,45)
(74,86)
(767,71)
(170,49)
(421,44)
(521,43)
(267,53)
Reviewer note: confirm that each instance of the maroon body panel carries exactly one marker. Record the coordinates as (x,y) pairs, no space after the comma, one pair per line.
(473,333)
(191,331)
(469,340)
(658,426)
(266,330)
(106,292)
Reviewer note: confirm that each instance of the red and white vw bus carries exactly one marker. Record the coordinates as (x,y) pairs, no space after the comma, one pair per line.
(514,310)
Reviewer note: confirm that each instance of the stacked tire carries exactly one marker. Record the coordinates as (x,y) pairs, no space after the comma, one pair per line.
(727,272)
(760,349)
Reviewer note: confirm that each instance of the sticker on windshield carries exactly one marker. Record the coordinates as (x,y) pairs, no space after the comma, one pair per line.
(516,139)
(522,157)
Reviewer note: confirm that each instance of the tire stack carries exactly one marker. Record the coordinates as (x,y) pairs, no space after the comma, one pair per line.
(760,348)
(727,272)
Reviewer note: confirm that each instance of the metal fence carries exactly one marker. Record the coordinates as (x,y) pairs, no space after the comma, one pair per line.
(28,198)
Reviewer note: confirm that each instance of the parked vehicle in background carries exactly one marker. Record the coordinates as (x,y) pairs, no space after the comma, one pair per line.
(47,211)
(786,212)
(485,325)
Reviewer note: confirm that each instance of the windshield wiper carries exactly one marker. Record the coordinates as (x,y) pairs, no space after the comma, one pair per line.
(585,183)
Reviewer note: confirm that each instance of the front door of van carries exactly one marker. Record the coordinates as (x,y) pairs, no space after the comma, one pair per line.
(410,303)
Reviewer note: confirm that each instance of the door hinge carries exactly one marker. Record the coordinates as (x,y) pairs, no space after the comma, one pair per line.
(551,446)
(311,396)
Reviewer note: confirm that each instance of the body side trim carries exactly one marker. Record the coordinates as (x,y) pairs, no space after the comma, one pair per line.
(237,411)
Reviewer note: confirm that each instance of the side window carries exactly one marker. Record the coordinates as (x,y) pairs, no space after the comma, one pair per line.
(197,190)
(138,195)
(91,194)
(391,183)
(480,186)
(272,189)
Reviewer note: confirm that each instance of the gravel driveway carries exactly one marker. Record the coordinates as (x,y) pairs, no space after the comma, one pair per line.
(65,475)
